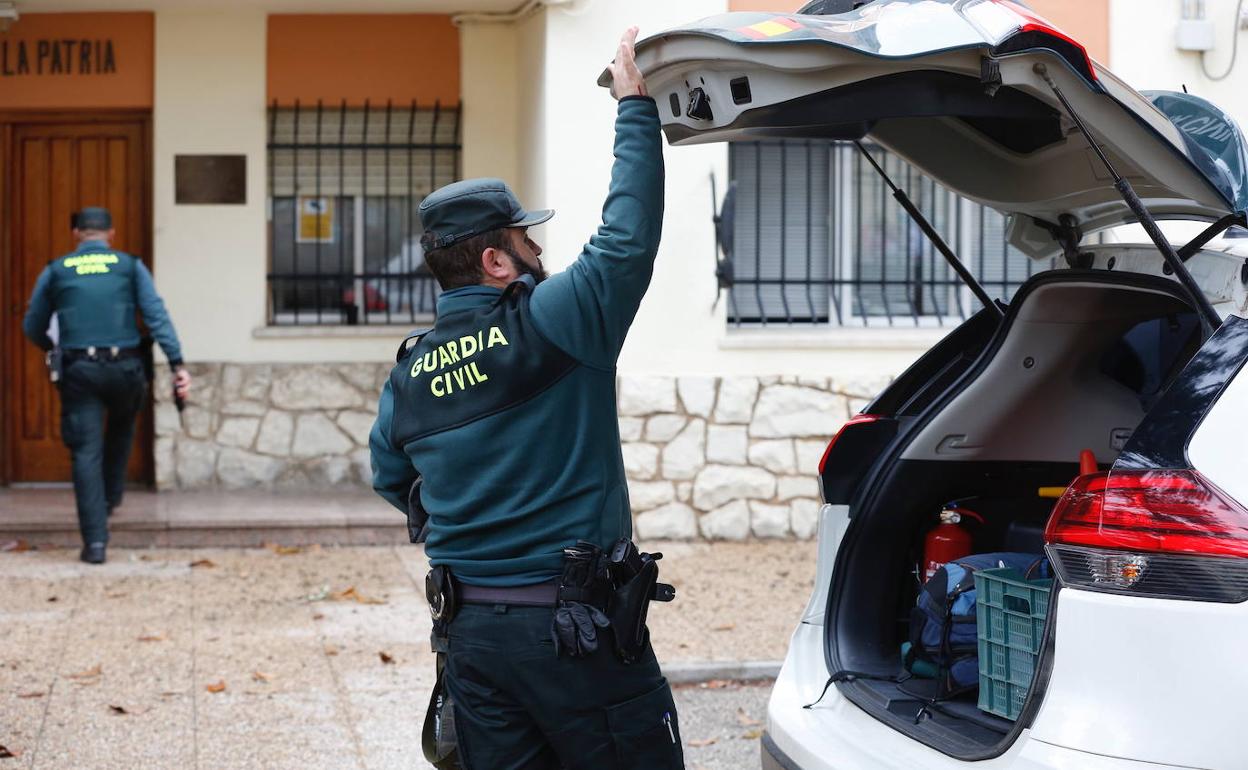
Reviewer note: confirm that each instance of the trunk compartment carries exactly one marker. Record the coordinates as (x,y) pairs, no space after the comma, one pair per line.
(1077,363)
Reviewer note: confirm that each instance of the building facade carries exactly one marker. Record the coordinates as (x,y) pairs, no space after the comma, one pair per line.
(266,159)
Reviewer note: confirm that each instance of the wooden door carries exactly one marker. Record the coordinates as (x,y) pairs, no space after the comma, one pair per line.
(52,169)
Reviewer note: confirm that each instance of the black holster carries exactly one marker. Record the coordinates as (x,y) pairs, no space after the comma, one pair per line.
(438,736)
(635,578)
(56,365)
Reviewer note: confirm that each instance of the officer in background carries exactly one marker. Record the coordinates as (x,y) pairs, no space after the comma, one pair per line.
(94,292)
(506,410)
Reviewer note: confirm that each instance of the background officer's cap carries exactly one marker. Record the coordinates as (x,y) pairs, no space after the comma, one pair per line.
(461,210)
(92,218)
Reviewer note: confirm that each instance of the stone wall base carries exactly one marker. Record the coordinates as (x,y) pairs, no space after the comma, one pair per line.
(720,458)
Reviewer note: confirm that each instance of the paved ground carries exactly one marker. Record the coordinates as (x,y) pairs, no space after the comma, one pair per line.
(315,657)
(722,722)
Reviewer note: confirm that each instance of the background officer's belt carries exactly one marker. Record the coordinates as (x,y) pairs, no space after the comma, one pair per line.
(536,595)
(100,353)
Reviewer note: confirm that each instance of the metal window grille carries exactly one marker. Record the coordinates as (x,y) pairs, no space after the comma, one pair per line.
(819,240)
(344,187)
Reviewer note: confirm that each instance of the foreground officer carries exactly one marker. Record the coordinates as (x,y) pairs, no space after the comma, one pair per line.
(94,291)
(506,411)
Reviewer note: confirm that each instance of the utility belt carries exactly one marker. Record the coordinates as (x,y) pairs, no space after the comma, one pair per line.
(58,358)
(93,353)
(597,590)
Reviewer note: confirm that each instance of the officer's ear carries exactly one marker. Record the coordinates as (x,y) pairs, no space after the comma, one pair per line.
(496,264)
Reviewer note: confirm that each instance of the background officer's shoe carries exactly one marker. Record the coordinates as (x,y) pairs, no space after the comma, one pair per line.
(93,553)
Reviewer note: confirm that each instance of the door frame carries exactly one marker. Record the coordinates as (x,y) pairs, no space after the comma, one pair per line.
(9,119)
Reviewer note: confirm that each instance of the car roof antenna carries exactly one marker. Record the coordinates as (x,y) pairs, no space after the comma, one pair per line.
(933,236)
(1208,316)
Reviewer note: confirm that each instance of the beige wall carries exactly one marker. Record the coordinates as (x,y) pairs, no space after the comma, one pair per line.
(211,260)
(1145,56)
(491,103)
(534,53)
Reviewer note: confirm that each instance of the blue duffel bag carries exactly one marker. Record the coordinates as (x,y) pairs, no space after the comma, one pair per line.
(943,636)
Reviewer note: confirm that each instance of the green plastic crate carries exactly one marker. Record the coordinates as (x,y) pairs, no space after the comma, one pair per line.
(1010,617)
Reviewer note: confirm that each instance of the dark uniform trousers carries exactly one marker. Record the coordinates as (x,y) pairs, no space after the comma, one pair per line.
(100,400)
(518,706)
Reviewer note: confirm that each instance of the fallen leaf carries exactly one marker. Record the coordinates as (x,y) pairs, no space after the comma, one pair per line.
(745,720)
(160,637)
(52,599)
(90,673)
(31,694)
(260,676)
(318,615)
(217,686)
(350,594)
(725,627)
(318,594)
(203,563)
(7,753)
(15,546)
(119,710)
(752,735)
(386,657)
(284,550)
(698,743)
(331,650)
(715,684)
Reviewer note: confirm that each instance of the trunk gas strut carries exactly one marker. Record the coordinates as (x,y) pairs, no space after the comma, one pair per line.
(1209,317)
(933,236)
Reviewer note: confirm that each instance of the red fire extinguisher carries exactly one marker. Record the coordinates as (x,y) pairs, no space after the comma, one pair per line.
(948,541)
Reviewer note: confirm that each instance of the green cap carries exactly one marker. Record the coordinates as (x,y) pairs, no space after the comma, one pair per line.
(91,218)
(461,210)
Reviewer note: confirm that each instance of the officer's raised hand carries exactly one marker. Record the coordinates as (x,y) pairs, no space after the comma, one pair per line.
(626,79)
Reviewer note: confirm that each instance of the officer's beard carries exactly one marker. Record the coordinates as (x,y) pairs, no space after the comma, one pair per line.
(524,268)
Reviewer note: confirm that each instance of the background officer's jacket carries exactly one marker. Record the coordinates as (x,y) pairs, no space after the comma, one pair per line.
(94,292)
(507,492)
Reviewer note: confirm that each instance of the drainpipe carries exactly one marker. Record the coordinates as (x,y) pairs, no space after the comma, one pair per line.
(522,11)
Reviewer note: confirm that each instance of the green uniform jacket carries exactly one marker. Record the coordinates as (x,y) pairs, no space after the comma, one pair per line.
(94,292)
(507,492)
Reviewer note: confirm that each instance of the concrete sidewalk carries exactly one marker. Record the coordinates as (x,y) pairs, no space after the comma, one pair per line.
(301,657)
(46,516)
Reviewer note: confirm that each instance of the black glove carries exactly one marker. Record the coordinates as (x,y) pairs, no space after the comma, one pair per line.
(575,628)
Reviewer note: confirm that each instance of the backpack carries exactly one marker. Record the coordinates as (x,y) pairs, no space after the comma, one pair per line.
(943,633)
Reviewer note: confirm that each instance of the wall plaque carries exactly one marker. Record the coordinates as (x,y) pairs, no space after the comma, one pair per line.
(210,179)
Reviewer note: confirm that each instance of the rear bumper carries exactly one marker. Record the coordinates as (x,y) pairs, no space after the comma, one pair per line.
(838,735)
(773,758)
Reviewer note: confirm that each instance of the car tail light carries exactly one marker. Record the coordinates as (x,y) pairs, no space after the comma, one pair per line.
(1164,533)
(860,419)
(1016,28)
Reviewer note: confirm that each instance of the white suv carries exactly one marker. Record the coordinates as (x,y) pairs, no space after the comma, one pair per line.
(1131,351)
